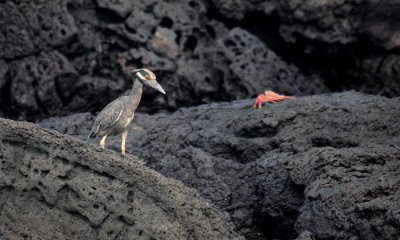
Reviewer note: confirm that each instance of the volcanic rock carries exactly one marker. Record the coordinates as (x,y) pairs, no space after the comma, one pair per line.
(318,167)
(57,187)
(201,51)
(93,43)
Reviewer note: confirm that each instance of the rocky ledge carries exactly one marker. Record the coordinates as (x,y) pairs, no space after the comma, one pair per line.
(54,186)
(318,167)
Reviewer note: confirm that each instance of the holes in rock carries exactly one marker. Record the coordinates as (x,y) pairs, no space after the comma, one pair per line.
(178,36)
(110,198)
(96,206)
(320,142)
(193,4)
(277,227)
(166,22)
(211,31)
(191,43)
(44,173)
(257,131)
(63,177)
(130,196)
(230,43)
(108,16)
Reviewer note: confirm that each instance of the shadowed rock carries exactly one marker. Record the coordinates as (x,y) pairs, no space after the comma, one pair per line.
(315,167)
(56,187)
(202,51)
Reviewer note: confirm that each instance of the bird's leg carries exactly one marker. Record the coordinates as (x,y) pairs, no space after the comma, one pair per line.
(124,135)
(103,141)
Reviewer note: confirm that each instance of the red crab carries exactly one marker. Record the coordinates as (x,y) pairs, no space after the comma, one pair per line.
(269,96)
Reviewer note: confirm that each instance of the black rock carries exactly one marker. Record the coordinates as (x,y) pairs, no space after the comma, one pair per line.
(323,166)
(201,51)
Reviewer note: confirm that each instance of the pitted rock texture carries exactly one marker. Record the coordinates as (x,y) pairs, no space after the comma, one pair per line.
(350,43)
(56,187)
(69,56)
(317,167)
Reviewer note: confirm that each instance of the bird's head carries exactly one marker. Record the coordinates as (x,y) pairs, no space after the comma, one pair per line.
(147,78)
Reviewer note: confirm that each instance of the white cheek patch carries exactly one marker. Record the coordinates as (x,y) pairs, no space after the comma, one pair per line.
(140,75)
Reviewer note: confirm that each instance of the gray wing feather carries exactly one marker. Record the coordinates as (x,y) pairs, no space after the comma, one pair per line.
(109,116)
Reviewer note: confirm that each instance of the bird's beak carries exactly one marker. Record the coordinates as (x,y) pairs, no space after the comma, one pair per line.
(154,84)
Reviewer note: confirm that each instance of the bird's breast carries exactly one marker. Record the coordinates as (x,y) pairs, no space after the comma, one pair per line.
(129,120)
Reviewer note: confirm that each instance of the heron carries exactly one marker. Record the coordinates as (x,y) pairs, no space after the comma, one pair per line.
(115,118)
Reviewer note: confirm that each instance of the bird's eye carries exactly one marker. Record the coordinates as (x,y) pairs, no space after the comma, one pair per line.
(148,78)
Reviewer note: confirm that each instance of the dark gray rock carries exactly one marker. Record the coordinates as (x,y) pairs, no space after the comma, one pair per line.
(381,24)
(326,164)
(40,84)
(201,51)
(379,73)
(100,39)
(345,41)
(3,71)
(57,187)
(259,68)
(305,236)
(15,40)
(342,21)
(326,21)
(118,7)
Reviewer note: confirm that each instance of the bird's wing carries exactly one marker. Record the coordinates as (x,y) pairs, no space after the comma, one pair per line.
(110,115)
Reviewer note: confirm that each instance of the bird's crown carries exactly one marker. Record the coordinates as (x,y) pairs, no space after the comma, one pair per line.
(144,74)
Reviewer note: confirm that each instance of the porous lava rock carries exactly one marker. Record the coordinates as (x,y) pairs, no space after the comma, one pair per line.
(317,167)
(201,51)
(68,56)
(54,186)
(350,43)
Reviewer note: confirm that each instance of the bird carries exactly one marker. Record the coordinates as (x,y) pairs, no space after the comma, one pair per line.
(115,118)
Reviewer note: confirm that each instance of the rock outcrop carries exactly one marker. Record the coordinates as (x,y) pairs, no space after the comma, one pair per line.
(351,43)
(65,56)
(56,187)
(73,56)
(318,167)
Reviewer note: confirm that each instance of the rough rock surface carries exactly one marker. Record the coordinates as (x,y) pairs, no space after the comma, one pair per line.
(319,167)
(73,54)
(355,41)
(56,187)
(65,56)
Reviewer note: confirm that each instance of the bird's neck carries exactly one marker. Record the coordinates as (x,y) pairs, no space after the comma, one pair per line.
(136,93)
(137,88)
